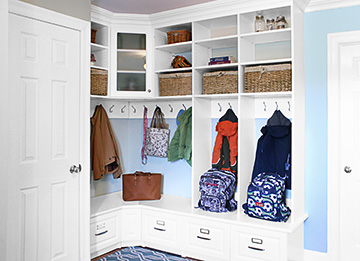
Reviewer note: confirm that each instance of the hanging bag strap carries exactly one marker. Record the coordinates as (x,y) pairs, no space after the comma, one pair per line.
(145,120)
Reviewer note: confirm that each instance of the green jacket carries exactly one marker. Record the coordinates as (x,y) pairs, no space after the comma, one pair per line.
(180,145)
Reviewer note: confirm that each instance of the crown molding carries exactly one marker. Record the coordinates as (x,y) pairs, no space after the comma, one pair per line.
(102,15)
(318,5)
(212,9)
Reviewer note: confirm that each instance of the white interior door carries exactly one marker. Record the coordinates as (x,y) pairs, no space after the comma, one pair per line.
(349,86)
(43,218)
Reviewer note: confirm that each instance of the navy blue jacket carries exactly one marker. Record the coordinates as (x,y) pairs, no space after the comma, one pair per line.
(273,153)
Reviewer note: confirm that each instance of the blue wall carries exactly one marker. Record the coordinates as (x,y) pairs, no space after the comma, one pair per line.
(317,26)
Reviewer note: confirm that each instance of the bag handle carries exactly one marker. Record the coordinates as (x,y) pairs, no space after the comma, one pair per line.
(145,120)
(158,119)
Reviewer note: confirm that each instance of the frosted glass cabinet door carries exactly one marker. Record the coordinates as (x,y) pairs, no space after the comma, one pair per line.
(131,62)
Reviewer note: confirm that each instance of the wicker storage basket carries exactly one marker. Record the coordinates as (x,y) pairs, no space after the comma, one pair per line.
(268,78)
(99,82)
(220,82)
(175,84)
(178,36)
(93,35)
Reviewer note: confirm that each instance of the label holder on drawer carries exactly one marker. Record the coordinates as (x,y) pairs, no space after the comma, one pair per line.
(160,222)
(256,241)
(204,231)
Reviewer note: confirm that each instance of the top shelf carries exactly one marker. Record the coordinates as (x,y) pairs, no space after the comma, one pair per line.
(280,35)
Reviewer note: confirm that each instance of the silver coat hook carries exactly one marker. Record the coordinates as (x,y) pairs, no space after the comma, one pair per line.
(171,108)
(230,105)
(111,108)
(289,106)
(219,107)
(134,109)
(123,109)
(184,106)
(264,106)
(277,106)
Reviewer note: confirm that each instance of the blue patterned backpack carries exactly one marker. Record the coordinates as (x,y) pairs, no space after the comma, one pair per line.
(217,188)
(266,198)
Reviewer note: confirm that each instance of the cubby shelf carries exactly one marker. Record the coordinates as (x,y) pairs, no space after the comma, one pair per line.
(174,70)
(217,67)
(219,42)
(273,61)
(272,36)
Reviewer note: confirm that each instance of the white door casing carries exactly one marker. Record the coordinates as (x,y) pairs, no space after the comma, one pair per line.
(344,141)
(43,209)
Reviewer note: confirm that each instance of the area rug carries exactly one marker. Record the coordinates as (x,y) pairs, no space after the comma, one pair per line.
(141,254)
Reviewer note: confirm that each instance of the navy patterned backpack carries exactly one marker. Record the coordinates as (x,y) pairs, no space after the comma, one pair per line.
(217,188)
(266,198)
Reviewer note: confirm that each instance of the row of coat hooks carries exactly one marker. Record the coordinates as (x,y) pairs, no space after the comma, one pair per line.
(122,110)
(277,106)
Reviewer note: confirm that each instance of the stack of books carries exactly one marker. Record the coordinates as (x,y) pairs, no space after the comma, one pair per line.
(222,60)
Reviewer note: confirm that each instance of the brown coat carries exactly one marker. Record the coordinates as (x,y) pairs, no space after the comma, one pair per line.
(104,149)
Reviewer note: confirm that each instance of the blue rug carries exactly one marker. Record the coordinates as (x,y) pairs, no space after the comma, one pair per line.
(141,254)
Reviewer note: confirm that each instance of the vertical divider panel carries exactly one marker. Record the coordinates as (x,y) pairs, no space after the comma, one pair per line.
(247,145)
(298,113)
(201,143)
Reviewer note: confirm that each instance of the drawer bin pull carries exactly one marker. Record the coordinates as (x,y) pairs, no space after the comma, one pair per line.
(203,238)
(257,241)
(255,248)
(204,231)
(160,229)
(160,222)
(101,233)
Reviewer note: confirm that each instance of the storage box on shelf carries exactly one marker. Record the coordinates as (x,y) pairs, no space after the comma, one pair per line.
(178,36)
(220,82)
(99,82)
(174,84)
(268,78)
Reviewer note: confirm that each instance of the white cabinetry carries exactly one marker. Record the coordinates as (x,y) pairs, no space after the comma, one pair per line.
(162,230)
(219,30)
(105,232)
(131,226)
(207,240)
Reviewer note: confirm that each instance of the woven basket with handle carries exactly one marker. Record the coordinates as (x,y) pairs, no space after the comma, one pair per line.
(268,78)
(220,82)
(174,84)
(178,36)
(99,82)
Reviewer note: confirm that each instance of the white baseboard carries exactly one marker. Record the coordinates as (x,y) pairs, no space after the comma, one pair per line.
(315,256)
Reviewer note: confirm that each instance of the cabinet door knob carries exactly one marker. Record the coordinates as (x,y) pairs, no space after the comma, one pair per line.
(347,169)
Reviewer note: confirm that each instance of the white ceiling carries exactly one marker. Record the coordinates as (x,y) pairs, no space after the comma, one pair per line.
(144,6)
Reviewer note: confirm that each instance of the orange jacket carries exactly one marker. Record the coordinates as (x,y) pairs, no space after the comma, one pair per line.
(104,149)
(226,144)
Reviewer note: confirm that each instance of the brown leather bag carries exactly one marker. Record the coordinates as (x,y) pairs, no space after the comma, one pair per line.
(141,186)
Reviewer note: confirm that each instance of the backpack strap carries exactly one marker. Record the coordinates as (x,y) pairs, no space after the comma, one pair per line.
(143,156)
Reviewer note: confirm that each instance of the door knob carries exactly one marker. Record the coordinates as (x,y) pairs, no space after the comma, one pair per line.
(75,169)
(347,169)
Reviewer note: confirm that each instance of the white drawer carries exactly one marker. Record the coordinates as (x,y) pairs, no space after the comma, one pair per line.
(257,245)
(162,230)
(206,240)
(104,231)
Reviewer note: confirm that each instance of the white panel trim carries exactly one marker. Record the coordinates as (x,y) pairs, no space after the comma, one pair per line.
(318,5)
(335,41)
(4,92)
(41,14)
